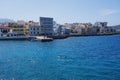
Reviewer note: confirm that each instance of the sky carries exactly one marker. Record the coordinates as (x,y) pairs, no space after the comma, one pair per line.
(63,11)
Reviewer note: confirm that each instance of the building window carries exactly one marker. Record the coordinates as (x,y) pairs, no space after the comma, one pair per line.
(33,28)
(37,28)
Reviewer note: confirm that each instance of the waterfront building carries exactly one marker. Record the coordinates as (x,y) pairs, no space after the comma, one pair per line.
(46,25)
(66,30)
(25,26)
(101,24)
(92,31)
(17,28)
(78,27)
(7,32)
(26,29)
(4,31)
(57,28)
(34,30)
(79,30)
(29,24)
(104,30)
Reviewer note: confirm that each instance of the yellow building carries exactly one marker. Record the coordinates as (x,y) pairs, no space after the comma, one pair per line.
(17,28)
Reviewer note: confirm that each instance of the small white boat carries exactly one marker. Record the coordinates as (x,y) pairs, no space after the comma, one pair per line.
(43,39)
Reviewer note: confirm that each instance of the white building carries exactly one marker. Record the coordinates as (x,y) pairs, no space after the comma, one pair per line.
(57,28)
(101,24)
(79,30)
(7,32)
(66,30)
(104,30)
(34,30)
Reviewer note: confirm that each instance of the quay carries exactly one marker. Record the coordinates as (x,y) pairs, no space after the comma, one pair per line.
(15,38)
(50,38)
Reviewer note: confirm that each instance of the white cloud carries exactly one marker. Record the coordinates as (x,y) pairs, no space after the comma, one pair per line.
(107,12)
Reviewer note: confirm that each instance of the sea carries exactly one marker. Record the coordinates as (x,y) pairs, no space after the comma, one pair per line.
(73,58)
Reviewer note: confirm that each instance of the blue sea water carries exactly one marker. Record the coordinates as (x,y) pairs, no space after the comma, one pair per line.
(74,58)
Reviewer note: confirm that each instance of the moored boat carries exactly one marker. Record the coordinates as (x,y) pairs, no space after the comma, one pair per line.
(46,39)
(42,39)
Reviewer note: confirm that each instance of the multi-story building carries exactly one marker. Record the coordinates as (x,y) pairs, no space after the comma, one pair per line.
(34,30)
(79,30)
(100,24)
(22,22)
(4,31)
(46,25)
(66,30)
(57,28)
(27,25)
(7,32)
(17,28)
(104,30)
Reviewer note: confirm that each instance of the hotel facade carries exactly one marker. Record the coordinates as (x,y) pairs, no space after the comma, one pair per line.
(46,25)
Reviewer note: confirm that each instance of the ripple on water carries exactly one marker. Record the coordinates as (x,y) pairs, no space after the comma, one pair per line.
(75,58)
